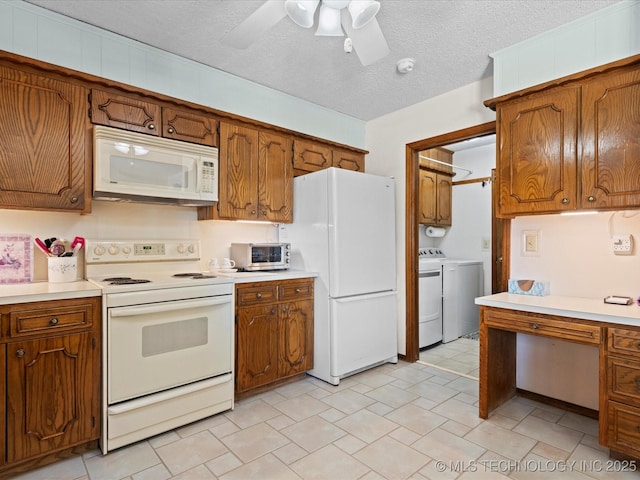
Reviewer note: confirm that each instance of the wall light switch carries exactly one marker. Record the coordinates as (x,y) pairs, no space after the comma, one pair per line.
(530,242)
(486,244)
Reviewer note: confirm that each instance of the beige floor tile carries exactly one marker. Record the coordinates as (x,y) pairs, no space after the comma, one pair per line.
(456,428)
(253,442)
(246,414)
(223,464)
(579,423)
(267,467)
(461,412)
(290,453)
(392,459)
(375,379)
(329,463)
(200,425)
(361,388)
(416,419)
(411,375)
(404,435)
(197,473)
(224,429)
(597,464)
(366,425)
(465,385)
(65,469)
(348,401)
(280,422)
(500,440)
(456,366)
(444,446)
(433,391)
(332,415)
(313,433)
(296,388)
(349,444)
(548,415)
(549,451)
(380,408)
(163,439)
(157,472)
(188,452)
(548,432)
(516,408)
(301,407)
(392,396)
(534,467)
(123,462)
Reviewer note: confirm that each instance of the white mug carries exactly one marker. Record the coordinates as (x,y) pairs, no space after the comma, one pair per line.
(228,263)
(213,264)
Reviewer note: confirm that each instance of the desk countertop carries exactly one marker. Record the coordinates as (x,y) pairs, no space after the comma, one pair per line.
(40,291)
(575,307)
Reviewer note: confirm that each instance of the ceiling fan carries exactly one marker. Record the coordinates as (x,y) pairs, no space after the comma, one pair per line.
(356,17)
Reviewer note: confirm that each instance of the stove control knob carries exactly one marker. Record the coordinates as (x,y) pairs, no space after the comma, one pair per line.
(99,250)
(181,248)
(113,250)
(192,248)
(126,250)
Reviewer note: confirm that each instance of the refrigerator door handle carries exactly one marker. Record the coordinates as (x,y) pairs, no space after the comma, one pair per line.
(358,298)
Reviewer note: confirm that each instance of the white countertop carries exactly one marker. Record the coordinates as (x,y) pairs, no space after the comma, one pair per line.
(246,277)
(40,291)
(574,307)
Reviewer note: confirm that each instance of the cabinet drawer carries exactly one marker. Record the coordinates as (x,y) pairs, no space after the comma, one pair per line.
(547,326)
(267,293)
(295,290)
(49,320)
(624,428)
(624,379)
(624,342)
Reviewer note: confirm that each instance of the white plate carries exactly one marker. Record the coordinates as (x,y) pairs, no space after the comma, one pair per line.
(227,270)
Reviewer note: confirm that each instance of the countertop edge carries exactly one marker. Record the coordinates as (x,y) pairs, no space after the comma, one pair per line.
(44,291)
(573,307)
(251,277)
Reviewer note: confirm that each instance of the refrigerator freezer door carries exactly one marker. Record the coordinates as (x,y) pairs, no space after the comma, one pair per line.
(361,233)
(363,332)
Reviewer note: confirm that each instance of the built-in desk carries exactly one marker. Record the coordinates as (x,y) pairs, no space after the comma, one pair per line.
(613,329)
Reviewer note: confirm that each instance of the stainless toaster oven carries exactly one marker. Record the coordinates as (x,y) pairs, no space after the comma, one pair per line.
(261,256)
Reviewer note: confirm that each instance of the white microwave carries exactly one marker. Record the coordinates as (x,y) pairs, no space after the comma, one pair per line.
(137,167)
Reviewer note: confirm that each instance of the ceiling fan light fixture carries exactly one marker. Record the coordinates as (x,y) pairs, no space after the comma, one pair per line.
(363,11)
(301,11)
(329,22)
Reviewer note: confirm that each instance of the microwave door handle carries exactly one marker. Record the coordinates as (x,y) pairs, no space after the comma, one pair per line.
(198,177)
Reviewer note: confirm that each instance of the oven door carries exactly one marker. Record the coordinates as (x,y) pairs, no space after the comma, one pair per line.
(157,346)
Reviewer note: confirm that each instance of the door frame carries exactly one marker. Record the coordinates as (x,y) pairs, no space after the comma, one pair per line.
(412,350)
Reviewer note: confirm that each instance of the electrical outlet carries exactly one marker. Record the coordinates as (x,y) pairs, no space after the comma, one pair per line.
(622,244)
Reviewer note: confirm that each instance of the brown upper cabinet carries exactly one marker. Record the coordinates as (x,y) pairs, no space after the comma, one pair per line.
(310,156)
(140,115)
(435,186)
(258,176)
(45,153)
(571,144)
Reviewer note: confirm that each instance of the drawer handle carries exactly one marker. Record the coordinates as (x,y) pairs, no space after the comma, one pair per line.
(170,130)
(258,295)
(591,198)
(20,353)
(54,321)
(297,290)
(535,326)
(151,126)
(273,311)
(565,201)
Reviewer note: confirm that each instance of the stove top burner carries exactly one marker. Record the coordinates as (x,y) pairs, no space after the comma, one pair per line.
(125,280)
(195,276)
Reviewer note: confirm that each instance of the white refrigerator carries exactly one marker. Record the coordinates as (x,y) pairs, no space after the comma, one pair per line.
(344,229)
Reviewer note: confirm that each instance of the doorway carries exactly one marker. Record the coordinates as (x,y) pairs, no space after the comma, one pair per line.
(500,230)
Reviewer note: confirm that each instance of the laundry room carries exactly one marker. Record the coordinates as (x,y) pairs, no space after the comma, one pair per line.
(458,243)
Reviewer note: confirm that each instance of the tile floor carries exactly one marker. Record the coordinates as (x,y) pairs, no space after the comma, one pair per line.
(404,421)
(460,356)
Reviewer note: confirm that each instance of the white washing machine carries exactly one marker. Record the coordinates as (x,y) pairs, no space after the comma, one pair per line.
(462,282)
(429,296)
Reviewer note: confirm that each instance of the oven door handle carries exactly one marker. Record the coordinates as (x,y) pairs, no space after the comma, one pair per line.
(168,306)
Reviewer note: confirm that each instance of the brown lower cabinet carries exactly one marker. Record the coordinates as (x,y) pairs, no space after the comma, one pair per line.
(274,332)
(51,378)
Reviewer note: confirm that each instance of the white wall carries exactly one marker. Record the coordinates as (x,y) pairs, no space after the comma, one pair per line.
(386,139)
(471,211)
(34,32)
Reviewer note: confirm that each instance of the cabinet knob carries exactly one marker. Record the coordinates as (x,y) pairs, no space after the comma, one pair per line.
(297,290)
(273,311)
(170,130)
(53,321)
(535,326)
(20,353)
(591,198)
(74,199)
(151,126)
(253,212)
(258,295)
(565,201)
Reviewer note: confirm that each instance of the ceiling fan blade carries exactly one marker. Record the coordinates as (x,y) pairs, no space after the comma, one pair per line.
(368,41)
(256,24)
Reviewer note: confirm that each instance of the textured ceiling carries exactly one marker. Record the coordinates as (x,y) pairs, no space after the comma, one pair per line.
(450,39)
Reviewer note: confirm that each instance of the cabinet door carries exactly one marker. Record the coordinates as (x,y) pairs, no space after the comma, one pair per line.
(348,160)
(189,127)
(443,193)
(310,156)
(427,214)
(275,191)
(257,346)
(125,112)
(51,395)
(45,147)
(537,149)
(296,338)
(611,141)
(238,191)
